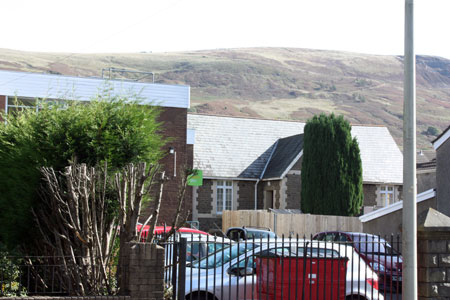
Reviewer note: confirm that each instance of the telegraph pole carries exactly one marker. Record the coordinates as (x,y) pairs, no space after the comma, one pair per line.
(409,160)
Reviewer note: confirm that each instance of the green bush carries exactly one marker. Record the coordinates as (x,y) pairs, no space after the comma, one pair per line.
(10,275)
(115,130)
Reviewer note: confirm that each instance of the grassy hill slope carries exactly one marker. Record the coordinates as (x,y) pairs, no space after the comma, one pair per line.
(276,83)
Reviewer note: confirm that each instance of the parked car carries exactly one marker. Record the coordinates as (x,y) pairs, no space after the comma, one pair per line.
(159,230)
(376,252)
(230,273)
(249,233)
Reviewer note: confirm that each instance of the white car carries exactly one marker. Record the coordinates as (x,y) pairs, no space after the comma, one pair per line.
(230,273)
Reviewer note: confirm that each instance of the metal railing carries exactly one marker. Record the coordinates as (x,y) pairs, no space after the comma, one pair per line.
(342,266)
(42,275)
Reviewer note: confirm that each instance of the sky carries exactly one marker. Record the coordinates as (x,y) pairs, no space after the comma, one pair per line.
(363,26)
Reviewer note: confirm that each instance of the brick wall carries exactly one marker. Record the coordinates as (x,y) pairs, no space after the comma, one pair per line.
(2,105)
(144,271)
(174,129)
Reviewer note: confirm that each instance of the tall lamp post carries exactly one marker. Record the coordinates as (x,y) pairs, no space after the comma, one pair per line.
(409,160)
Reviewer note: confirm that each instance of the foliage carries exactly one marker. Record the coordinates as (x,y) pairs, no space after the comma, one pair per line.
(432,131)
(10,275)
(331,168)
(116,130)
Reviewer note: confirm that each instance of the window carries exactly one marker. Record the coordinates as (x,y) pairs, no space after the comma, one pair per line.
(386,195)
(224,195)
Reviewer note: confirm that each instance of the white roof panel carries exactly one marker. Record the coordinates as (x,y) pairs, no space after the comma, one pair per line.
(37,85)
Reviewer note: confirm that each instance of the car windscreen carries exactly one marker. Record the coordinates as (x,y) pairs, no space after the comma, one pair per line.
(223,256)
(373,245)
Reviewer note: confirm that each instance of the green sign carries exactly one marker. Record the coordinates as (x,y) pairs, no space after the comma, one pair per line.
(196,178)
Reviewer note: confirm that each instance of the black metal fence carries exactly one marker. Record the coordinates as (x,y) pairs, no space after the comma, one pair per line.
(328,266)
(42,275)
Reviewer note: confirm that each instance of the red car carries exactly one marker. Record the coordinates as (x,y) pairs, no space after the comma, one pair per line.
(161,229)
(376,252)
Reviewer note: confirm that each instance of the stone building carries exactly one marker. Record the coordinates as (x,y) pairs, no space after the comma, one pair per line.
(174,101)
(256,164)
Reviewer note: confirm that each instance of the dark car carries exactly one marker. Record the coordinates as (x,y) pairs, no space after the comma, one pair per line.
(375,251)
(249,233)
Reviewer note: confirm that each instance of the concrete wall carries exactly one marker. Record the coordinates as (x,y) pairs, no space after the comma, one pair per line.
(392,223)
(426,180)
(443,178)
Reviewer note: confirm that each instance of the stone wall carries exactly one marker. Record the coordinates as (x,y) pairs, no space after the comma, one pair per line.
(205,197)
(293,191)
(370,195)
(246,195)
(433,249)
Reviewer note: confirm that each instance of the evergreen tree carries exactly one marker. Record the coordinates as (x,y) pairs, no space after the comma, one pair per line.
(331,168)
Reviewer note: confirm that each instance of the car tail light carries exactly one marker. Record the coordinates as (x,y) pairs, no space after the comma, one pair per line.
(373,282)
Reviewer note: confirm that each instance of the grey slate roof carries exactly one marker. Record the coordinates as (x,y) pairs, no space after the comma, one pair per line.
(229,147)
(286,150)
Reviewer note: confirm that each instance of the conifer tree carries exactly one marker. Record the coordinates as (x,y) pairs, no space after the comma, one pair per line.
(331,168)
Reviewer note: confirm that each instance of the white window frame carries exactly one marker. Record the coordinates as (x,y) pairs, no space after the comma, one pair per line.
(224,187)
(384,190)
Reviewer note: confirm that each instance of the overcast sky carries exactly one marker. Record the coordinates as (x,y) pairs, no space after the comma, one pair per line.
(364,26)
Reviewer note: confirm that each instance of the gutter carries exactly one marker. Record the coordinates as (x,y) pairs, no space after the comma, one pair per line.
(262,173)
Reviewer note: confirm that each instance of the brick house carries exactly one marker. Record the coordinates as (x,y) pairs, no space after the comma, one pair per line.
(174,101)
(256,164)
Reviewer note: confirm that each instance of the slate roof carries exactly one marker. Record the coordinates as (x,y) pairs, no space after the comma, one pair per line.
(230,147)
(286,150)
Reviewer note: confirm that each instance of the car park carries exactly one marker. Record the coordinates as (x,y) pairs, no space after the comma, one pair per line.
(233,272)
(376,252)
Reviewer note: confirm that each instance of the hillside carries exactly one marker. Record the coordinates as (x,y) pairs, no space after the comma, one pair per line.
(276,83)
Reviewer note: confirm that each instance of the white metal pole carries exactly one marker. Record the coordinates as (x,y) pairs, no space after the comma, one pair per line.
(409,160)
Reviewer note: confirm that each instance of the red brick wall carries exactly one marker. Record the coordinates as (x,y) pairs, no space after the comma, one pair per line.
(2,104)
(174,128)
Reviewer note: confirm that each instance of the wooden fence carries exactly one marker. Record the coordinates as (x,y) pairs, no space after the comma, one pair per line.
(290,224)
